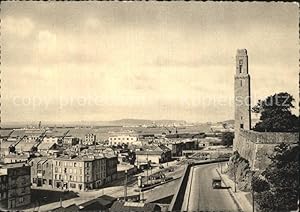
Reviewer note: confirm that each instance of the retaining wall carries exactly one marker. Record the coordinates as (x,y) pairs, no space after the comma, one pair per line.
(256,147)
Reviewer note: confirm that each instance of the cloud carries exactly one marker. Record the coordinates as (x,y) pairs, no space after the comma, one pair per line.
(146,58)
(17,27)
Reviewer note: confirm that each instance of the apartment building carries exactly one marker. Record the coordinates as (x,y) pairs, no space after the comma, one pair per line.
(15,186)
(79,172)
(124,139)
(89,139)
(111,167)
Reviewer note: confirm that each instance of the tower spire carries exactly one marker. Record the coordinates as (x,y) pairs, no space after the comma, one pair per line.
(242,106)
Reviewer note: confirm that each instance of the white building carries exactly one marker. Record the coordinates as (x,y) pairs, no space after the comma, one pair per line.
(89,139)
(124,139)
(50,139)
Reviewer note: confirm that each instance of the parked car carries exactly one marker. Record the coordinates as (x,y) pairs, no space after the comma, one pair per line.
(216,183)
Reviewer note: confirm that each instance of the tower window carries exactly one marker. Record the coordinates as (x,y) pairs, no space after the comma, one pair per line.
(241,83)
(240,65)
(242,126)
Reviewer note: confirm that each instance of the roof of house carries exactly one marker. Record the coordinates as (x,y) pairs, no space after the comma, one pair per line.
(103,202)
(46,145)
(149,152)
(134,206)
(70,208)
(25,146)
(6,144)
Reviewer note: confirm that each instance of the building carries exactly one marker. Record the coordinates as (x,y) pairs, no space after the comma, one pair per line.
(134,206)
(79,172)
(3,191)
(70,141)
(124,139)
(111,167)
(15,184)
(41,172)
(15,158)
(154,155)
(89,139)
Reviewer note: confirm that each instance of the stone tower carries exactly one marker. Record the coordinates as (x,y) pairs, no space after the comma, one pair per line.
(242,106)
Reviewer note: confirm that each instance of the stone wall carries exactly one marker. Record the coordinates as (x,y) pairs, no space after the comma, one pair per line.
(256,147)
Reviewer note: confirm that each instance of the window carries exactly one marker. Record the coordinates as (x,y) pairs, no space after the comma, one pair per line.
(21,199)
(241,83)
(72,185)
(44,181)
(242,126)
(240,65)
(50,182)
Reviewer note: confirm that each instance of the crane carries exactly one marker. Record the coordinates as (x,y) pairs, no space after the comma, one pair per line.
(12,148)
(9,134)
(39,140)
(176,131)
(168,130)
(62,138)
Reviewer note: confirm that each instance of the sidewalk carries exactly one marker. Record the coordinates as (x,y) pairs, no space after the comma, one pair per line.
(239,196)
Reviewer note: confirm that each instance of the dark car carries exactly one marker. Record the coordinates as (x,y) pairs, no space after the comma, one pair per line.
(216,183)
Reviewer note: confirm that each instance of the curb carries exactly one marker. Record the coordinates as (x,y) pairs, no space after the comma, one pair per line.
(230,193)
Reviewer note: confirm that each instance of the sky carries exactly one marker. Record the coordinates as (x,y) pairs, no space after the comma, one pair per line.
(99,61)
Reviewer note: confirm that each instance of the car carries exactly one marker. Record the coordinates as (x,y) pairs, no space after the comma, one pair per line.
(216,183)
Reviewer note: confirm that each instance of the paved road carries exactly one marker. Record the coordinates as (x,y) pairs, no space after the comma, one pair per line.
(202,197)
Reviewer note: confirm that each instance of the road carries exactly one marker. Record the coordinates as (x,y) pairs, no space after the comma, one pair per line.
(201,196)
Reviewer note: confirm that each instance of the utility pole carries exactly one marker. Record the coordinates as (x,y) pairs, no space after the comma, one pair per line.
(147,169)
(151,174)
(234,177)
(125,187)
(252,188)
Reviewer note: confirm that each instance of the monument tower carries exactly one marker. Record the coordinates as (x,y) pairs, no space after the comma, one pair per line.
(242,106)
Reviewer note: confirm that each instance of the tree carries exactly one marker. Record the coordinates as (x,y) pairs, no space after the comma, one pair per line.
(277,187)
(227,138)
(276,114)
